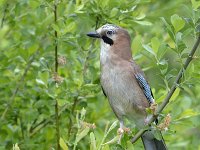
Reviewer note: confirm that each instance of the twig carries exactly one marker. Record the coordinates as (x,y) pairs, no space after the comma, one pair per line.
(22,127)
(172,90)
(56,70)
(18,85)
(70,119)
(45,122)
(39,127)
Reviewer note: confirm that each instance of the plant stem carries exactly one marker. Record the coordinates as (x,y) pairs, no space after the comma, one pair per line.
(72,112)
(56,71)
(172,90)
(45,122)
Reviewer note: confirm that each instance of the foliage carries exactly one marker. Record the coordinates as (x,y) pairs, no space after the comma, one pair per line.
(162,34)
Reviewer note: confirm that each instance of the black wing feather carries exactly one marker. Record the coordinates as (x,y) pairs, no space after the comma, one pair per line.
(145,86)
(146,89)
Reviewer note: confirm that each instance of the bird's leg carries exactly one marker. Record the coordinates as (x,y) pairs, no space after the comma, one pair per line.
(120,131)
(146,120)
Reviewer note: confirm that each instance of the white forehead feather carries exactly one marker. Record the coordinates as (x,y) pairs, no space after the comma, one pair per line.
(108,27)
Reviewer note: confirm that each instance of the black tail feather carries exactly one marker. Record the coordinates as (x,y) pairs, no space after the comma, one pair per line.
(151,143)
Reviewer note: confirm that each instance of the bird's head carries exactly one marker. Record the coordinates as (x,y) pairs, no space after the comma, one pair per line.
(114,41)
(111,34)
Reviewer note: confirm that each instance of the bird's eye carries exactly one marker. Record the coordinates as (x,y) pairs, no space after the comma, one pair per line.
(110,32)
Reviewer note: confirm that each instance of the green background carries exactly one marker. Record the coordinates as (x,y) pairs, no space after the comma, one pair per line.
(163,32)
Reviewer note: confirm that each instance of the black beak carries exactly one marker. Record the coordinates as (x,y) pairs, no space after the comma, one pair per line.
(93,34)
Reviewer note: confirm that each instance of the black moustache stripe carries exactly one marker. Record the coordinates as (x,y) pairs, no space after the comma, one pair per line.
(107,40)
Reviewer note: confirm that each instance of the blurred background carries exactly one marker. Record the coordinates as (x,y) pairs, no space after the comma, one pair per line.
(37,100)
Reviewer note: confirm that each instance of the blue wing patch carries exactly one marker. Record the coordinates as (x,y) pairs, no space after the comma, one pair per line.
(145,86)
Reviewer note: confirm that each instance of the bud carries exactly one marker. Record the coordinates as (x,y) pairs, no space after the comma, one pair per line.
(165,124)
(62,60)
(89,125)
(57,78)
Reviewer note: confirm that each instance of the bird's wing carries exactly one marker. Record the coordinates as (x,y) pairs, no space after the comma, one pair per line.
(145,87)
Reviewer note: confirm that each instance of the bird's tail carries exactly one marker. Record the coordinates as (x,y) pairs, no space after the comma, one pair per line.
(151,143)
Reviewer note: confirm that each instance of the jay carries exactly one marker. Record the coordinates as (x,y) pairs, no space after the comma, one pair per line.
(123,82)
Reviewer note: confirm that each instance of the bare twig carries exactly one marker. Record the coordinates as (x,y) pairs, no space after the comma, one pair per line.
(39,127)
(56,71)
(35,129)
(70,118)
(172,90)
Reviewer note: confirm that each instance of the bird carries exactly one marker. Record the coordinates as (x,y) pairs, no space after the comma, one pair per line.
(124,83)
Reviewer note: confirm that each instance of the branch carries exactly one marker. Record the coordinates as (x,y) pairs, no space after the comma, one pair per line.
(35,129)
(172,90)
(70,118)
(56,71)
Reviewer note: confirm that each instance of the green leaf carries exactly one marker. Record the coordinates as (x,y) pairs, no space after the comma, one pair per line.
(79,9)
(177,22)
(195,4)
(82,134)
(130,145)
(136,44)
(118,147)
(155,43)
(141,16)
(113,12)
(106,147)
(83,112)
(197,29)
(187,114)
(157,134)
(55,27)
(145,23)
(169,29)
(62,144)
(93,142)
(112,126)
(161,51)
(39,81)
(149,49)
(16,147)
(114,140)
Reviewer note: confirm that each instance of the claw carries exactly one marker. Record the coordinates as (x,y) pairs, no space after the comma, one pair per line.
(153,107)
(120,131)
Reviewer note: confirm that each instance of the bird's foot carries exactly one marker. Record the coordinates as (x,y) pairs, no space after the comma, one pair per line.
(146,121)
(120,131)
(127,130)
(123,130)
(153,107)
